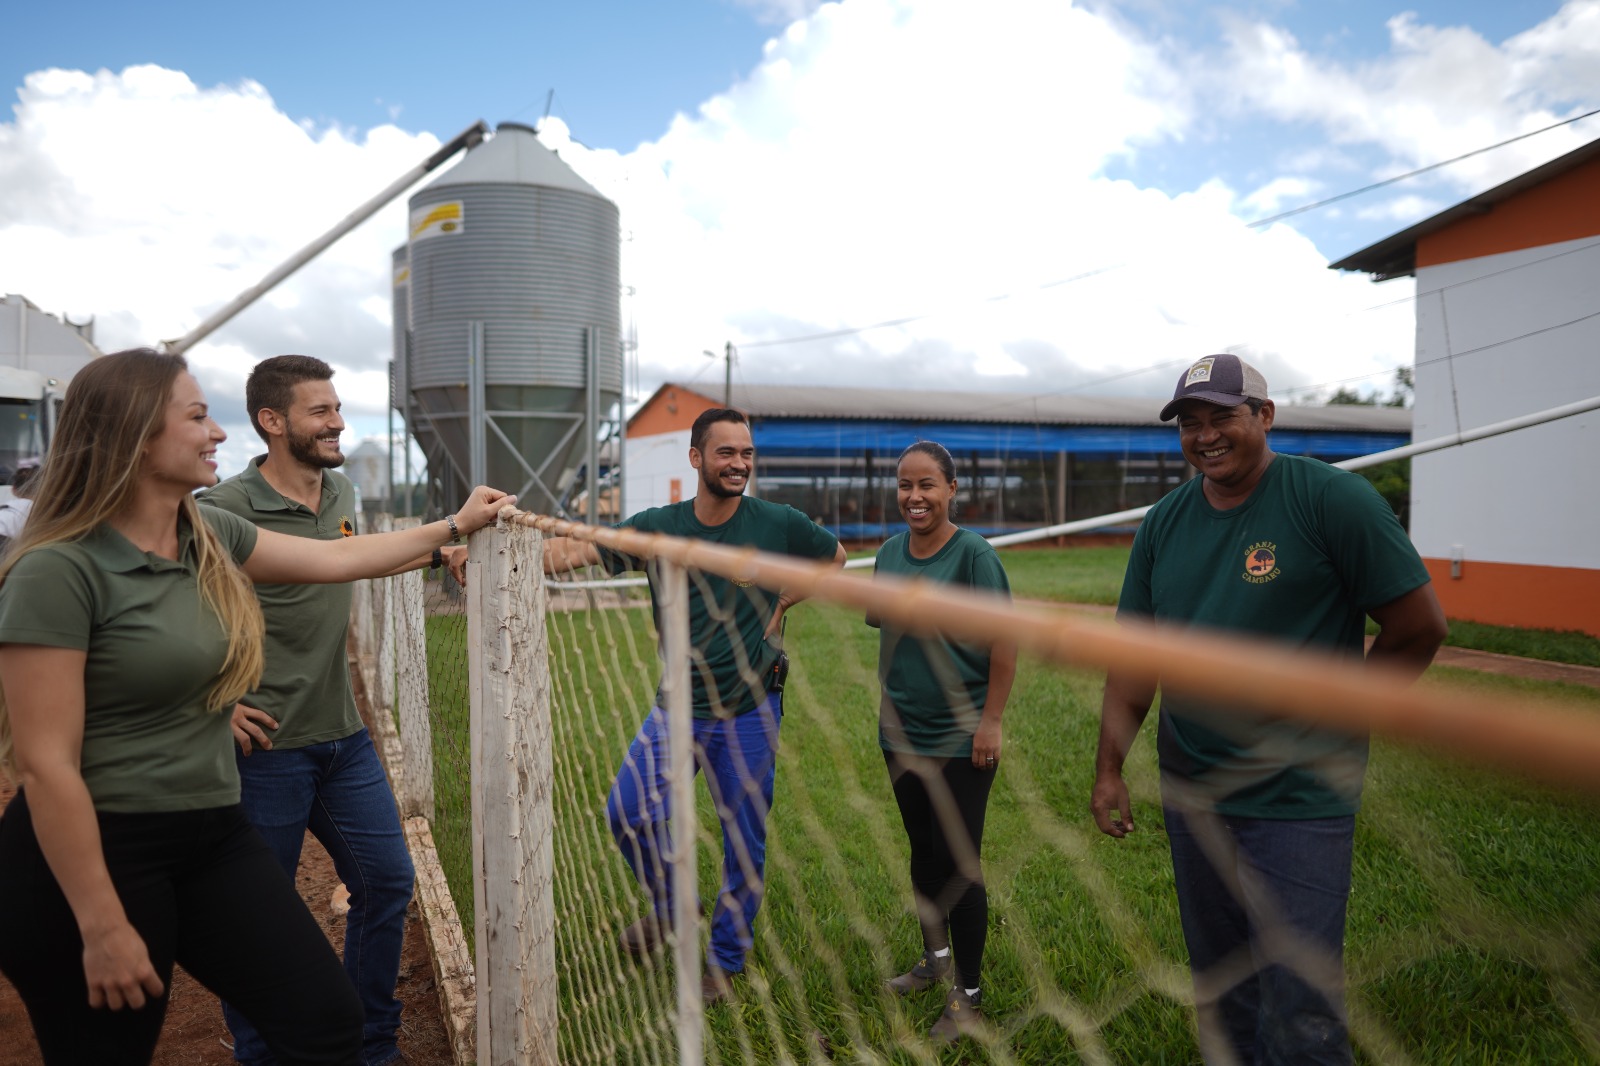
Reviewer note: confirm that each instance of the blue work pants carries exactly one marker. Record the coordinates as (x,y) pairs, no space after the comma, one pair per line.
(739,756)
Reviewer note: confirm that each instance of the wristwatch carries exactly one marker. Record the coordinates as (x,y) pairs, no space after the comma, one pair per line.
(437,561)
(455,530)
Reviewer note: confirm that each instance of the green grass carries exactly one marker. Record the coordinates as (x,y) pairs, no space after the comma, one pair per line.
(1474,932)
(1066,575)
(1555,645)
(1094,575)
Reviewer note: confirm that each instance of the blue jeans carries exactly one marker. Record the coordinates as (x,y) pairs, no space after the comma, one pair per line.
(740,757)
(1262,902)
(338,790)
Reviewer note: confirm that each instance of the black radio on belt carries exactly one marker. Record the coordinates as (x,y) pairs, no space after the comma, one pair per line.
(779,673)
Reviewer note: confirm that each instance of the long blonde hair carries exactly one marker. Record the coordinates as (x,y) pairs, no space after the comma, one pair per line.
(113,408)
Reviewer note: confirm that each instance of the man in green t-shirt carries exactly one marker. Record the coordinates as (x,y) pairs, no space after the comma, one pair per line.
(736,692)
(1260,810)
(305,759)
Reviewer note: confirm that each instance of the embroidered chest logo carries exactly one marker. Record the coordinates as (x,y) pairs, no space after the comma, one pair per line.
(1261,563)
(347,527)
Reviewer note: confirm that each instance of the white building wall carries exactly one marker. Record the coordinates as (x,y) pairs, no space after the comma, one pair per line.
(649,466)
(32,340)
(1523,330)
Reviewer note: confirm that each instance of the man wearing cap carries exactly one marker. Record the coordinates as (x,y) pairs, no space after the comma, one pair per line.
(1260,810)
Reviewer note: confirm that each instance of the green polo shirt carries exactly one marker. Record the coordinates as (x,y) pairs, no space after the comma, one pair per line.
(728,619)
(306,683)
(154,651)
(934,690)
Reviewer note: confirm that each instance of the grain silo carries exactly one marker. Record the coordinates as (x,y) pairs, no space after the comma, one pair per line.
(513,293)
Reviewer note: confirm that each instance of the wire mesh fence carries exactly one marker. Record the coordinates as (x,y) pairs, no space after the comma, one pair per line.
(1474,916)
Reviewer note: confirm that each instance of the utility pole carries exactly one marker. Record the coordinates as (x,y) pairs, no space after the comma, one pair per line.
(729,354)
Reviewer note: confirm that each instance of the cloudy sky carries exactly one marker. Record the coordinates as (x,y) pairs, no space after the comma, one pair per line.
(1041,196)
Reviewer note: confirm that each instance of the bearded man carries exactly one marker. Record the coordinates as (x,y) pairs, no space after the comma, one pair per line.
(305,759)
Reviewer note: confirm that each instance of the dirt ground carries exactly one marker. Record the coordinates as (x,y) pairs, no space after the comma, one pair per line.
(194,1034)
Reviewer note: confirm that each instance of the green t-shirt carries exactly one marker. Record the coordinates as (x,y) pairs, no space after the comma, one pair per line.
(934,690)
(730,657)
(306,682)
(154,651)
(1299,562)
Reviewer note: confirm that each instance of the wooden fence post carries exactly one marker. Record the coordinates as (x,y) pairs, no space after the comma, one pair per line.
(512,786)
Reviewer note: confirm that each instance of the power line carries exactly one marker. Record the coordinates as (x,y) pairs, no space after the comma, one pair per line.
(1420,170)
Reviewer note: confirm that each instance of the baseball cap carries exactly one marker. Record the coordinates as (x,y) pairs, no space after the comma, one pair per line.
(1225,380)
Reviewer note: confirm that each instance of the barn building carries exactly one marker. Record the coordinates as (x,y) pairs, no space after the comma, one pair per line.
(1508,324)
(1024,460)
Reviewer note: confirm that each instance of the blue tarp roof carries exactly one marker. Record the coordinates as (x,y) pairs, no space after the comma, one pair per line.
(850,437)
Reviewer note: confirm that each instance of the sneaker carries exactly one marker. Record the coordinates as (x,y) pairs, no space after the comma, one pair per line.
(929,971)
(963,1016)
(716,985)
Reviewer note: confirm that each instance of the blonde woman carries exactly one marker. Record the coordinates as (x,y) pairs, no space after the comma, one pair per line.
(127,625)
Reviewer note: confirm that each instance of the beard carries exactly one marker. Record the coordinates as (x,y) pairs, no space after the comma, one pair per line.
(303,449)
(717,488)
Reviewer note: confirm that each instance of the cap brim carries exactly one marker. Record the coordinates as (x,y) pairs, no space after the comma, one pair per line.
(1221,399)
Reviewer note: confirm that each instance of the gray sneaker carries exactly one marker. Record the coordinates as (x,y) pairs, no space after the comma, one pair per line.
(929,971)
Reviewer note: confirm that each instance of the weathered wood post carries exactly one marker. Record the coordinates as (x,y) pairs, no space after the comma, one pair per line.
(512,781)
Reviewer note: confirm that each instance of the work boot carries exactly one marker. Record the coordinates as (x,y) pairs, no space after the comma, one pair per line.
(646,934)
(643,936)
(929,971)
(716,985)
(963,1016)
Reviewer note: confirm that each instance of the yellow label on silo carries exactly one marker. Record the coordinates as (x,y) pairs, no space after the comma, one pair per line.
(437,220)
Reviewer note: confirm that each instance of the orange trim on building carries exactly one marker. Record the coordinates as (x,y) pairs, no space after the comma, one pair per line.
(1510,594)
(1565,208)
(671,409)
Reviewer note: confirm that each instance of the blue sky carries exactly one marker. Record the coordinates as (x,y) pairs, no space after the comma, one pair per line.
(785,168)
(620,69)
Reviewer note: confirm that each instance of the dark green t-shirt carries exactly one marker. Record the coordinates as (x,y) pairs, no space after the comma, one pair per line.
(728,622)
(306,682)
(934,690)
(154,651)
(1300,562)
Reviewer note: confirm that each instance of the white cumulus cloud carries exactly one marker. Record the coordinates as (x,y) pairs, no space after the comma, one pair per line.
(942,165)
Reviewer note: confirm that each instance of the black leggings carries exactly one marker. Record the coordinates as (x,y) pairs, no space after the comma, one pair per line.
(201,888)
(942,803)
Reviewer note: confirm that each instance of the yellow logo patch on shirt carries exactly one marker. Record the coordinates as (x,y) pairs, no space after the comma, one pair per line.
(347,527)
(1261,563)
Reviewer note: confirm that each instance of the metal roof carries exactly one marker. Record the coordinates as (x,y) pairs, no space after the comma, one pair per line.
(514,156)
(1396,256)
(879,404)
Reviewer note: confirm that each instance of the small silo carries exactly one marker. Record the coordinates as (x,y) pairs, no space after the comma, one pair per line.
(400,305)
(513,295)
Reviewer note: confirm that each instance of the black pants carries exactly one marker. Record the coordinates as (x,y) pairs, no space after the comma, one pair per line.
(202,889)
(942,804)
